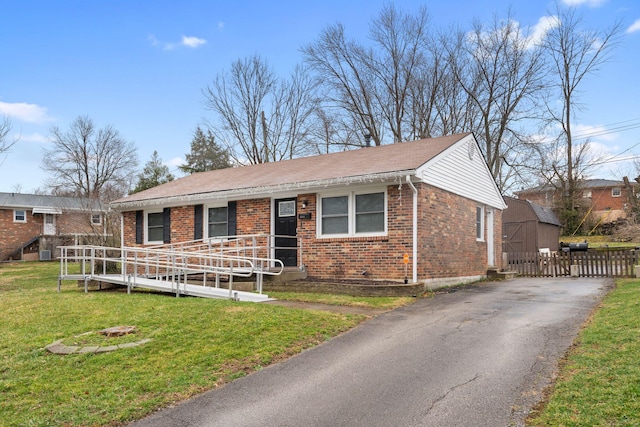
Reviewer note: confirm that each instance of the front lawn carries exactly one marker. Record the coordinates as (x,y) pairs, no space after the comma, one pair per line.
(196,344)
(599,382)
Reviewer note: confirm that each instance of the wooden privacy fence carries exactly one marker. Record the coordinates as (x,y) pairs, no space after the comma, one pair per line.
(592,263)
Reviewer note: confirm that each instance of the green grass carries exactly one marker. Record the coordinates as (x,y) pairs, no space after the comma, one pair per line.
(197,344)
(599,382)
(599,241)
(384,303)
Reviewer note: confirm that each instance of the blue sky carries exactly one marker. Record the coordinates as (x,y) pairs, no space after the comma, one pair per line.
(140,66)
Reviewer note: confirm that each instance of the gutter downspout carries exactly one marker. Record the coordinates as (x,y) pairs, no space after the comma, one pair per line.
(122,264)
(415,230)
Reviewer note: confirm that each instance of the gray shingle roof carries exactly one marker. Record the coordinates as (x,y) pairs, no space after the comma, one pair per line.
(29,201)
(545,215)
(371,161)
(587,183)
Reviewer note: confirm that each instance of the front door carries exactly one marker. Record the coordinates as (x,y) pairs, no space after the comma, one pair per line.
(285,230)
(49,224)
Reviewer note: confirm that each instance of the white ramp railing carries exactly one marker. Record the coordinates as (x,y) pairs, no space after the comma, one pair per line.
(135,266)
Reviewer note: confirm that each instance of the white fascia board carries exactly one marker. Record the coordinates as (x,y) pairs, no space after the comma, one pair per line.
(274,191)
(46,210)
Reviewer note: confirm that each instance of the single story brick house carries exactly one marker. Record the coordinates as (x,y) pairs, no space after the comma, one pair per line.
(32,226)
(606,200)
(428,211)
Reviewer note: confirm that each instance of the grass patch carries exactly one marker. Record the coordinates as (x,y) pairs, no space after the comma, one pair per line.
(598,241)
(385,303)
(599,381)
(197,344)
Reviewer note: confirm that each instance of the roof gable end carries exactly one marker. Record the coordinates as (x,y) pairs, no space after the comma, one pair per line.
(462,170)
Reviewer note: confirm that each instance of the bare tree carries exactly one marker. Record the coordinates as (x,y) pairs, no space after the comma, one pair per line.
(341,68)
(5,128)
(329,133)
(89,162)
(260,117)
(401,39)
(500,73)
(289,123)
(575,52)
(438,103)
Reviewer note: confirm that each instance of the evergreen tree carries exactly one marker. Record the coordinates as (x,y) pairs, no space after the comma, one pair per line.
(205,154)
(153,174)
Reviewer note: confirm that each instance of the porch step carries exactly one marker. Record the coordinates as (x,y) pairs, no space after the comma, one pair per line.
(497,273)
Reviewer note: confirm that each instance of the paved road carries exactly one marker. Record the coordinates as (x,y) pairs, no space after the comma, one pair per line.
(479,356)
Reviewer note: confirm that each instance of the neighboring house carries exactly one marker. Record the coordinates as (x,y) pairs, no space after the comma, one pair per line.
(33,226)
(529,227)
(356,214)
(605,200)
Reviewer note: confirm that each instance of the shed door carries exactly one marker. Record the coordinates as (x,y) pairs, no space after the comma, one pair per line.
(513,237)
(285,230)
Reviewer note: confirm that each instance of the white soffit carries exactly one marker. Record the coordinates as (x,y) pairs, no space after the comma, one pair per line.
(46,210)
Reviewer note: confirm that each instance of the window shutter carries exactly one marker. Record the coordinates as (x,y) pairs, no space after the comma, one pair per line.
(166,225)
(197,222)
(139,227)
(232,224)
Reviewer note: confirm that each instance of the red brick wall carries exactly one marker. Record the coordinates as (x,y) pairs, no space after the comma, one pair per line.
(447,245)
(182,223)
(74,222)
(447,237)
(129,222)
(254,216)
(601,199)
(14,234)
(379,258)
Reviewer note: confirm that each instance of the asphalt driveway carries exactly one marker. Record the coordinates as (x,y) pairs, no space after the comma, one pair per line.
(479,356)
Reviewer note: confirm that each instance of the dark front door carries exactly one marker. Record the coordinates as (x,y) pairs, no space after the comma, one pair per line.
(286,225)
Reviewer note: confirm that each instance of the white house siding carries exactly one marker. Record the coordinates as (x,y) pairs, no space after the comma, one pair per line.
(446,169)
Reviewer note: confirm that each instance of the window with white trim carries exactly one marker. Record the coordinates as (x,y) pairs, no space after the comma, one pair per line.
(19,215)
(480,223)
(217,222)
(616,192)
(96,219)
(155,223)
(353,214)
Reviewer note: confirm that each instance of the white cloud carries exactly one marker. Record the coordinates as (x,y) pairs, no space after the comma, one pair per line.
(634,27)
(30,113)
(34,137)
(591,132)
(589,3)
(540,30)
(153,40)
(175,162)
(192,42)
(221,26)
